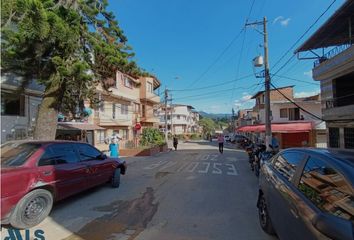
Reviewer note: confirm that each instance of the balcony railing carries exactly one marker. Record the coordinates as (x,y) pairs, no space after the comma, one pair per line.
(340,101)
(330,54)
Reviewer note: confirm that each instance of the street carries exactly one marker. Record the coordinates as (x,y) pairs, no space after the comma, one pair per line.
(192,193)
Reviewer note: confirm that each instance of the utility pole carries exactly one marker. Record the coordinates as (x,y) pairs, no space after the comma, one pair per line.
(268,126)
(172,131)
(166,125)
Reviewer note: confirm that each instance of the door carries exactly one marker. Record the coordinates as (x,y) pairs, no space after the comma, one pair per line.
(282,209)
(100,170)
(60,166)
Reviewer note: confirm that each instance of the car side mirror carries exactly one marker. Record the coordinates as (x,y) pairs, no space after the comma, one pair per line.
(333,227)
(102,156)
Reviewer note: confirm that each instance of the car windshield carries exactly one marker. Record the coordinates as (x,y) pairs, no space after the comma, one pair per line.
(16,154)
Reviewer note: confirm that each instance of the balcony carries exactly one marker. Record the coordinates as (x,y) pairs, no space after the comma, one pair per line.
(337,64)
(103,119)
(150,97)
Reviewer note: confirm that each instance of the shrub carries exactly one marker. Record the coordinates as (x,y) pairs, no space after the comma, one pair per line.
(151,137)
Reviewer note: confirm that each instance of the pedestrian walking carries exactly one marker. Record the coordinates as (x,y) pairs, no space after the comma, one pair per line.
(221,143)
(113,148)
(175,142)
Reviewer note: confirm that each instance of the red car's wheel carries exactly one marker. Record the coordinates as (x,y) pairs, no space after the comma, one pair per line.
(115,182)
(32,209)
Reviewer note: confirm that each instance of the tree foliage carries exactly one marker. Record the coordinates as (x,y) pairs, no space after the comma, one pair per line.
(69,46)
(151,137)
(208,125)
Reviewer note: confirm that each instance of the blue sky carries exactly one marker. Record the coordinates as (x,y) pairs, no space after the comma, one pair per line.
(180,41)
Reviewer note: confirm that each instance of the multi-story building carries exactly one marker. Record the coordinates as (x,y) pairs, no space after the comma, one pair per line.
(246,117)
(334,68)
(184,119)
(291,124)
(128,103)
(119,109)
(18,110)
(150,102)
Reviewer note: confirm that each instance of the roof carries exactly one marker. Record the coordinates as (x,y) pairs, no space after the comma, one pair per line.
(78,126)
(291,127)
(334,31)
(260,92)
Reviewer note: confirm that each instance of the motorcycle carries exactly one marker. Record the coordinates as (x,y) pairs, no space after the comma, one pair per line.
(263,156)
(251,157)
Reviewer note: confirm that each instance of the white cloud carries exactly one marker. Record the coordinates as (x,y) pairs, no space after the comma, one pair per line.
(282,21)
(246,97)
(306,94)
(308,73)
(285,22)
(244,102)
(277,19)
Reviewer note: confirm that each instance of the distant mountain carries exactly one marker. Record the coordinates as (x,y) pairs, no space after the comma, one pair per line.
(215,115)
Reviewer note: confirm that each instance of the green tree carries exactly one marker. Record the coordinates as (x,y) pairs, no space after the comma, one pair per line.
(151,137)
(69,46)
(208,125)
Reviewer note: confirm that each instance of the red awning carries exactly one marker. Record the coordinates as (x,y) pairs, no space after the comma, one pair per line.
(279,127)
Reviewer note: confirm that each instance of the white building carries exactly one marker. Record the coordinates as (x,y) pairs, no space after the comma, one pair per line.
(182,118)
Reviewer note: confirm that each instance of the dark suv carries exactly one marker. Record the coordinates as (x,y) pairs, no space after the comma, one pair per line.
(308,194)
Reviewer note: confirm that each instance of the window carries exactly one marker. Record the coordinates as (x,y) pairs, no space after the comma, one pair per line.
(136,107)
(149,87)
(287,162)
(143,111)
(327,189)
(294,114)
(113,110)
(12,104)
(58,154)
(124,133)
(333,137)
(283,112)
(178,117)
(124,109)
(349,138)
(128,83)
(88,152)
(263,100)
(14,154)
(101,102)
(100,136)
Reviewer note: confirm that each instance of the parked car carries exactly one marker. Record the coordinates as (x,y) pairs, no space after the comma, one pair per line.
(226,138)
(308,194)
(237,138)
(34,174)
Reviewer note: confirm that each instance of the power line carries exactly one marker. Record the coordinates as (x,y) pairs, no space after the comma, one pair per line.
(299,39)
(218,58)
(294,79)
(297,105)
(211,86)
(214,92)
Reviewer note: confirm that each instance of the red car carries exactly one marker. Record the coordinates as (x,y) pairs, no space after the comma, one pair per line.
(34,174)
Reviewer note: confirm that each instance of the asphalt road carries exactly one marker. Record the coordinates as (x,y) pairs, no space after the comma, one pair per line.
(192,193)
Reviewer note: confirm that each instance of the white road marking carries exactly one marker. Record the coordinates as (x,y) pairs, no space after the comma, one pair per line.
(232,169)
(183,166)
(206,169)
(214,157)
(155,165)
(204,157)
(169,164)
(216,170)
(189,169)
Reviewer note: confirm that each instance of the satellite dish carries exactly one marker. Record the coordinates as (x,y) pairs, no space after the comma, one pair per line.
(258,61)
